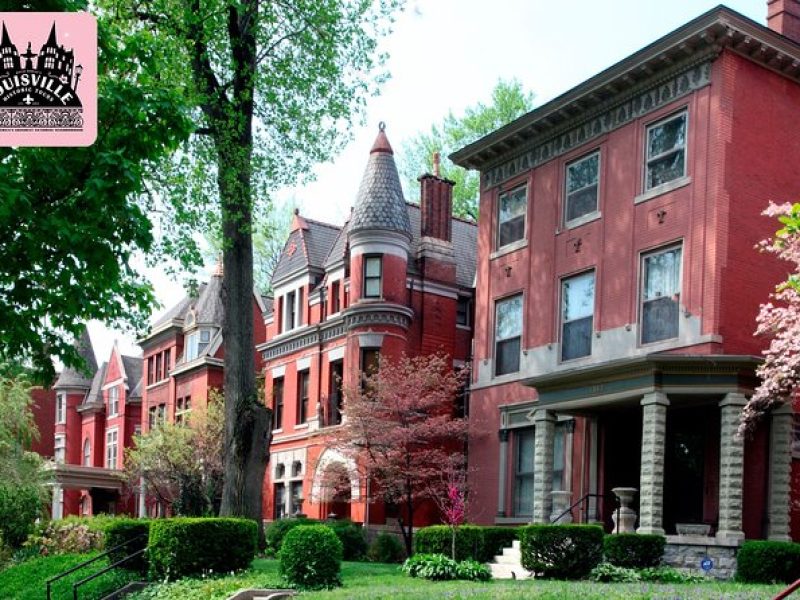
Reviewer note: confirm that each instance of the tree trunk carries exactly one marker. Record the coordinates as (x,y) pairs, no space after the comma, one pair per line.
(408,534)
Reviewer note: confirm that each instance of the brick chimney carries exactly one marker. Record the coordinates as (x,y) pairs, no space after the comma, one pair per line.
(436,204)
(783,16)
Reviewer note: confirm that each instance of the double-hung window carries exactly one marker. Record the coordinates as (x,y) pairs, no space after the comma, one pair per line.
(507,334)
(302,396)
(577,315)
(582,179)
(277,403)
(660,297)
(372,276)
(523,472)
(87,453)
(113,401)
(112,448)
(197,343)
(60,449)
(666,150)
(61,407)
(511,210)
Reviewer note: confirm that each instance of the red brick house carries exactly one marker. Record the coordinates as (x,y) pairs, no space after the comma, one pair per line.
(617,288)
(95,419)
(396,278)
(183,356)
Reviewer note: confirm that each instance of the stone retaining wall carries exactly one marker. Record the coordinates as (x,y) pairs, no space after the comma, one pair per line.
(688,555)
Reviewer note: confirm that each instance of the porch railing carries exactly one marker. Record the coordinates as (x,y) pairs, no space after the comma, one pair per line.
(584,501)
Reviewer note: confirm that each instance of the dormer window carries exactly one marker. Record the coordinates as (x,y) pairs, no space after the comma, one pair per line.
(113,401)
(372,276)
(197,342)
(293,309)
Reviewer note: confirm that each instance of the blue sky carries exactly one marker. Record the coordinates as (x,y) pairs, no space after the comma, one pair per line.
(448,54)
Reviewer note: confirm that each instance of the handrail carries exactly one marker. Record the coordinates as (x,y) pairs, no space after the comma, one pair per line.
(788,591)
(581,501)
(78,584)
(88,562)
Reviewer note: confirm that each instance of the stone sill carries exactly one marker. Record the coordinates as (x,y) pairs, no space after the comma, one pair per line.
(701,540)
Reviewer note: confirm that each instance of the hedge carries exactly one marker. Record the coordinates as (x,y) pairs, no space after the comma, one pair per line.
(561,551)
(136,532)
(277,530)
(768,562)
(191,546)
(634,550)
(472,541)
(354,544)
(20,506)
(386,548)
(311,558)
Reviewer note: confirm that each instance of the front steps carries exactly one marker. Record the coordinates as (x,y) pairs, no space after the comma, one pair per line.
(508,565)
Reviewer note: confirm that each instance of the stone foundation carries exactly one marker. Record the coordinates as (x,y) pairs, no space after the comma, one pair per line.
(687,552)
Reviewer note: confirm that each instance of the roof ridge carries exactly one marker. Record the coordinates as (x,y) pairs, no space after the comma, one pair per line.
(323,223)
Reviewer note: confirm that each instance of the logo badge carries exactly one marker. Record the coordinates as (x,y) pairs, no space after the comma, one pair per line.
(48,79)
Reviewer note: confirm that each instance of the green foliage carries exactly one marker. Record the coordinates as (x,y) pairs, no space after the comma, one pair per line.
(134,533)
(183,546)
(311,558)
(608,573)
(386,548)
(561,551)
(509,100)
(766,562)
(26,581)
(669,575)
(472,541)
(20,506)
(438,567)
(633,550)
(277,530)
(354,544)
(66,536)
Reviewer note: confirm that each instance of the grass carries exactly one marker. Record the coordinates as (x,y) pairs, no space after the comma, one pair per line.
(26,581)
(371,581)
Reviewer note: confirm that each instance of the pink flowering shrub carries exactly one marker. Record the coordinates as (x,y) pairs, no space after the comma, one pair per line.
(779,319)
(65,537)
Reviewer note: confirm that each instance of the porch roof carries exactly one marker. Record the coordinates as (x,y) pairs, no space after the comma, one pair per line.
(80,477)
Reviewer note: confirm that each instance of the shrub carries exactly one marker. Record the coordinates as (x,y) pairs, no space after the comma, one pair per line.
(669,575)
(354,544)
(561,551)
(190,546)
(438,539)
(436,567)
(20,506)
(67,536)
(386,548)
(277,530)
(768,562)
(311,558)
(135,531)
(608,573)
(633,550)
(472,570)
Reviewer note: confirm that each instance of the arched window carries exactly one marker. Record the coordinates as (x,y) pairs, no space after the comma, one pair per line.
(87,453)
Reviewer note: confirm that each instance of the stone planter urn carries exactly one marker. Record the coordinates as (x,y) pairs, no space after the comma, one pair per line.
(561,501)
(625,518)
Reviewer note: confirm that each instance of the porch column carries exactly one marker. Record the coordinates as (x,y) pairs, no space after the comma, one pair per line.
(651,479)
(544,421)
(731,469)
(503,473)
(780,465)
(57,507)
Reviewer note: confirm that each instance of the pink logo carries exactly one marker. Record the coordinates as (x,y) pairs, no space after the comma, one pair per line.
(48,79)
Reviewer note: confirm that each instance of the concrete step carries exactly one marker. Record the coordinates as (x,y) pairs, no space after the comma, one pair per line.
(505,571)
(506,559)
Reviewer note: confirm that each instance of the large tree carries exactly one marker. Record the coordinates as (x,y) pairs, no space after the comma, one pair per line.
(400,429)
(779,320)
(509,100)
(273,87)
(70,223)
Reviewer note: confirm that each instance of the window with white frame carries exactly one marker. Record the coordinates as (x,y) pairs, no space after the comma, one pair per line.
(507,334)
(666,150)
(113,401)
(582,188)
(197,342)
(577,315)
(372,276)
(660,295)
(524,440)
(60,449)
(290,312)
(112,448)
(61,407)
(511,211)
(87,453)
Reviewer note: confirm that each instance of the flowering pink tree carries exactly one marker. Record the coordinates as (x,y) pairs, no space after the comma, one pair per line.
(779,319)
(400,428)
(450,497)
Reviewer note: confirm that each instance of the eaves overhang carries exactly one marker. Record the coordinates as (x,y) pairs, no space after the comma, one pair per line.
(706,35)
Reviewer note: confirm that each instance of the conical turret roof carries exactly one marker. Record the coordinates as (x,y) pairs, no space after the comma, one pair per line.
(76,378)
(379,203)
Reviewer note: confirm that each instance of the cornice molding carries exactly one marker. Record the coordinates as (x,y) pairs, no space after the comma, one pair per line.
(383,313)
(303,338)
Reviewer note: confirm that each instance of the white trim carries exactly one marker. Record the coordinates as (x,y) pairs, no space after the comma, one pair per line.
(508,248)
(670,186)
(106,447)
(418,285)
(303,364)
(278,371)
(291,285)
(214,344)
(380,242)
(335,275)
(111,384)
(328,458)
(683,112)
(335,354)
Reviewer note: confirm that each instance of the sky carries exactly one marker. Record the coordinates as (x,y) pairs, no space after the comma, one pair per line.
(446,55)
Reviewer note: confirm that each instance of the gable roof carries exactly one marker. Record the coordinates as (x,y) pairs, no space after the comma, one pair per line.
(94,398)
(133,370)
(307,247)
(209,309)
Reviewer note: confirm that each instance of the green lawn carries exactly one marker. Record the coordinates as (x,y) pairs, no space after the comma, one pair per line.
(26,581)
(369,581)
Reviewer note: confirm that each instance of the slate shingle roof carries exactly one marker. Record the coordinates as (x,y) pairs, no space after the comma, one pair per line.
(310,245)
(75,378)
(209,309)
(133,369)
(176,312)
(379,202)
(95,395)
